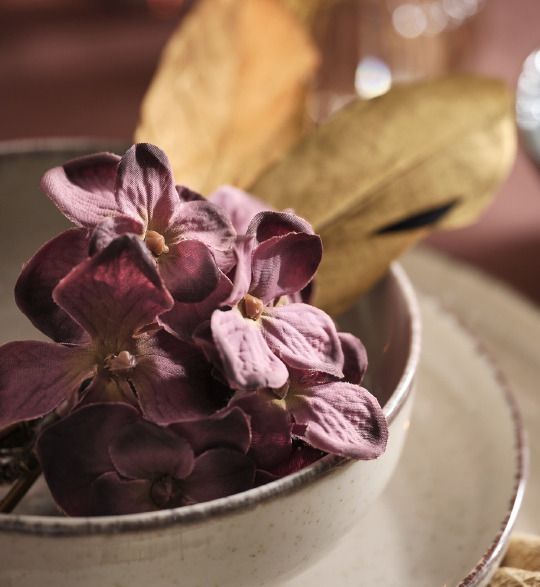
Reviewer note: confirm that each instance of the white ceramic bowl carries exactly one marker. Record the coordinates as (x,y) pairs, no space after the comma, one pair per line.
(259,537)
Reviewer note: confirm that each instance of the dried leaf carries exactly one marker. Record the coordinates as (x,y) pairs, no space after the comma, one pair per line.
(229,93)
(380,174)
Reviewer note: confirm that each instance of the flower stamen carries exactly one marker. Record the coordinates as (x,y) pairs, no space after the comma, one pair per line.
(121,364)
(156,243)
(253,307)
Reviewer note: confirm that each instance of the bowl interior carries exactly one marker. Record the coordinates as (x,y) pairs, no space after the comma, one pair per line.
(386,318)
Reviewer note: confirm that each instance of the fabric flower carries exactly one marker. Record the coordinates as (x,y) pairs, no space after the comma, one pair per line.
(137,194)
(256,334)
(337,417)
(115,462)
(115,297)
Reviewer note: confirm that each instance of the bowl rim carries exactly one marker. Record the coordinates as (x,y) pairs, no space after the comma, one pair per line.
(240,502)
(225,506)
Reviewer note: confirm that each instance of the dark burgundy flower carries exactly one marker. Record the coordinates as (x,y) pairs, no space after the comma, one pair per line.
(115,298)
(105,459)
(137,193)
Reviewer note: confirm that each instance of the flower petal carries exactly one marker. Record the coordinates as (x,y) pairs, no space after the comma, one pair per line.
(106,389)
(187,195)
(240,205)
(301,456)
(217,473)
(34,287)
(116,292)
(173,381)
(143,450)
(356,359)
(184,318)
(266,225)
(189,271)
(247,362)
(228,428)
(75,451)
(113,227)
(203,221)
(110,495)
(271,427)
(284,265)
(145,187)
(83,189)
(340,418)
(242,250)
(304,337)
(35,377)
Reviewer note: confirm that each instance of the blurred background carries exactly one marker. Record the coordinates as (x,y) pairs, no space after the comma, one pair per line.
(80,68)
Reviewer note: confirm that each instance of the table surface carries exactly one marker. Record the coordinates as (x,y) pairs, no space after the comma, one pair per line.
(81,69)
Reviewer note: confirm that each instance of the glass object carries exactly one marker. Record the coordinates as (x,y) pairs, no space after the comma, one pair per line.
(369,45)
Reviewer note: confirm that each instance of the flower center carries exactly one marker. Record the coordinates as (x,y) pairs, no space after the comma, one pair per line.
(166,492)
(121,364)
(253,307)
(156,243)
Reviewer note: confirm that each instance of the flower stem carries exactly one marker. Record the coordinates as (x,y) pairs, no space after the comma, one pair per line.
(19,489)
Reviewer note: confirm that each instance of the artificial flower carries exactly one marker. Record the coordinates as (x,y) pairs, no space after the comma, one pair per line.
(115,462)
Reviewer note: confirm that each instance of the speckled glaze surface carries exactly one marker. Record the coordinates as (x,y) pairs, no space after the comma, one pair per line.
(260,537)
(446,515)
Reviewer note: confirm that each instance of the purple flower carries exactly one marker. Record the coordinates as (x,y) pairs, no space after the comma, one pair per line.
(115,462)
(338,417)
(115,298)
(257,333)
(240,205)
(137,194)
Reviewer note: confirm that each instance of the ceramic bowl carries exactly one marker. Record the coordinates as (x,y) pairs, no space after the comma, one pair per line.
(259,537)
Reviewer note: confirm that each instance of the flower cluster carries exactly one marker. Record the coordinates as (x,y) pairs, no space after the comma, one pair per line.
(186,361)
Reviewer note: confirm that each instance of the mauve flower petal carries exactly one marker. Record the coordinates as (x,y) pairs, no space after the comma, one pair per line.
(106,389)
(284,265)
(271,427)
(240,205)
(183,318)
(172,380)
(228,428)
(115,292)
(75,451)
(34,287)
(83,189)
(110,495)
(356,359)
(203,221)
(187,195)
(301,456)
(35,377)
(266,225)
(189,271)
(342,419)
(113,227)
(217,473)
(247,362)
(145,186)
(143,450)
(304,337)
(242,250)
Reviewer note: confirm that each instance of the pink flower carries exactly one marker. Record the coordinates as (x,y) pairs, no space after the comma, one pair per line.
(257,334)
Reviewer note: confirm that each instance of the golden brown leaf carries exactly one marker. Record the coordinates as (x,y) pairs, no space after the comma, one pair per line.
(228,95)
(377,163)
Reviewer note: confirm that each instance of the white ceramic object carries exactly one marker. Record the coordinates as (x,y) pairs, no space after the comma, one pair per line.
(446,515)
(259,537)
(508,326)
